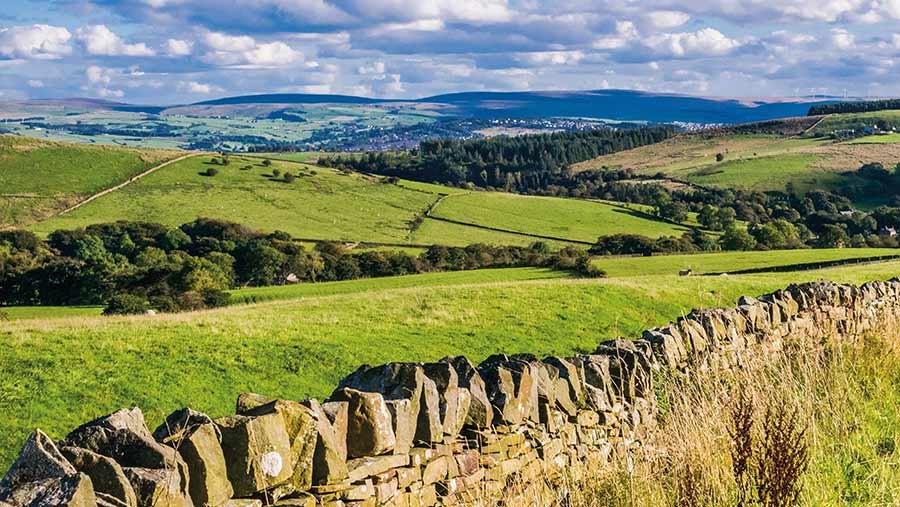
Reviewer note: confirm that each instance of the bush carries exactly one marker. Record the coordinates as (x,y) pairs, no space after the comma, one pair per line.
(289,177)
(4,316)
(212,171)
(126,304)
(720,157)
(267,162)
(214,298)
(276,172)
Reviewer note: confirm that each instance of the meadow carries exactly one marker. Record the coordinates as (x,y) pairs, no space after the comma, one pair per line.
(60,372)
(326,204)
(568,219)
(39,178)
(758,162)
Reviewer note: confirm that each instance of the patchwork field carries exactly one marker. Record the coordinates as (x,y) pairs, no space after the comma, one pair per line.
(38,178)
(757,162)
(84,367)
(325,204)
(548,216)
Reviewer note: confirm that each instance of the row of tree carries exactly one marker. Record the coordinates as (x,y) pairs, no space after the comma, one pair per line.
(136,266)
(861,106)
(521,164)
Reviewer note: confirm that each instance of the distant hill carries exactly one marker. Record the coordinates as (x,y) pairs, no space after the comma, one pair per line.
(623,105)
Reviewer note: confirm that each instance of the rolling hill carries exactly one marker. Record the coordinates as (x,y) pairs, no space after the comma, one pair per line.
(326,204)
(764,162)
(39,178)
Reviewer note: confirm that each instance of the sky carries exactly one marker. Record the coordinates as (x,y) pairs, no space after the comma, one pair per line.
(182,51)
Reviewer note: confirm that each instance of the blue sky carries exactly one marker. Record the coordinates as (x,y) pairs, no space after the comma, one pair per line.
(179,51)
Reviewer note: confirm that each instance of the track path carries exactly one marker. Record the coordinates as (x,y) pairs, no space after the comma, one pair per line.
(124,184)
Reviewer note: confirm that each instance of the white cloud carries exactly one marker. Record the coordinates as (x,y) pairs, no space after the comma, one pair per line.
(98,75)
(542,58)
(702,43)
(99,81)
(668,19)
(842,39)
(376,68)
(197,87)
(100,40)
(178,47)
(245,52)
(35,83)
(625,33)
(40,42)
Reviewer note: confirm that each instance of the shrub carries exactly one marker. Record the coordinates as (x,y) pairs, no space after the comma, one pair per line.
(126,304)
(276,172)
(212,171)
(215,298)
(289,177)
(4,316)
(267,162)
(720,157)
(246,168)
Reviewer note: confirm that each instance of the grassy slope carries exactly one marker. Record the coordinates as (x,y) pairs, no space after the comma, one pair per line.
(61,372)
(756,162)
(549,216)
(331,205)
(728,261)
(40,177)
(327,205)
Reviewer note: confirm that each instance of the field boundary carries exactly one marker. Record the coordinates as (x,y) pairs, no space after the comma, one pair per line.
(430,210)
(123,184)
(808,266)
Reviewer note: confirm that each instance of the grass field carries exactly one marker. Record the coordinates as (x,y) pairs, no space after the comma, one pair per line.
(729,261)
(60,372)
(877,139)
(325,204)
(755,162)
(549,216)
(40,177)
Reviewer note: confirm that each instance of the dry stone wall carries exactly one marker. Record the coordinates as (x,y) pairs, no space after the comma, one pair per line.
(412,434)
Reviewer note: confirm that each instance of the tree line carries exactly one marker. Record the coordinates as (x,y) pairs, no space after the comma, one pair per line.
(861,106)
(132,267)
(514,164)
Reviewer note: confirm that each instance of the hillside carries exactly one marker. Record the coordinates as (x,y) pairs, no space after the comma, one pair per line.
(39,178)
(326,204)
(300,348)
(758,161)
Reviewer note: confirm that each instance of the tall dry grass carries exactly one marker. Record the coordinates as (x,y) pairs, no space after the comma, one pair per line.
(807,425)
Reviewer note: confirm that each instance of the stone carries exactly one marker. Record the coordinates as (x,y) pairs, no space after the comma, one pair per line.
(302,501)
(248,401)
(399,381)
(512,388)
(369,424)
(39,460)
(480,413)
(436,470)
(360,468)
(329,464)
(454,400)
(199,442)
(403,421)
(257,452)
(124,437)
(407,476)
(630,366)
(104,500)
(568,383)
(338,412)
(360,491)
(245,502)
(73,490)
(107,477)
(157,487)
(300,424)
